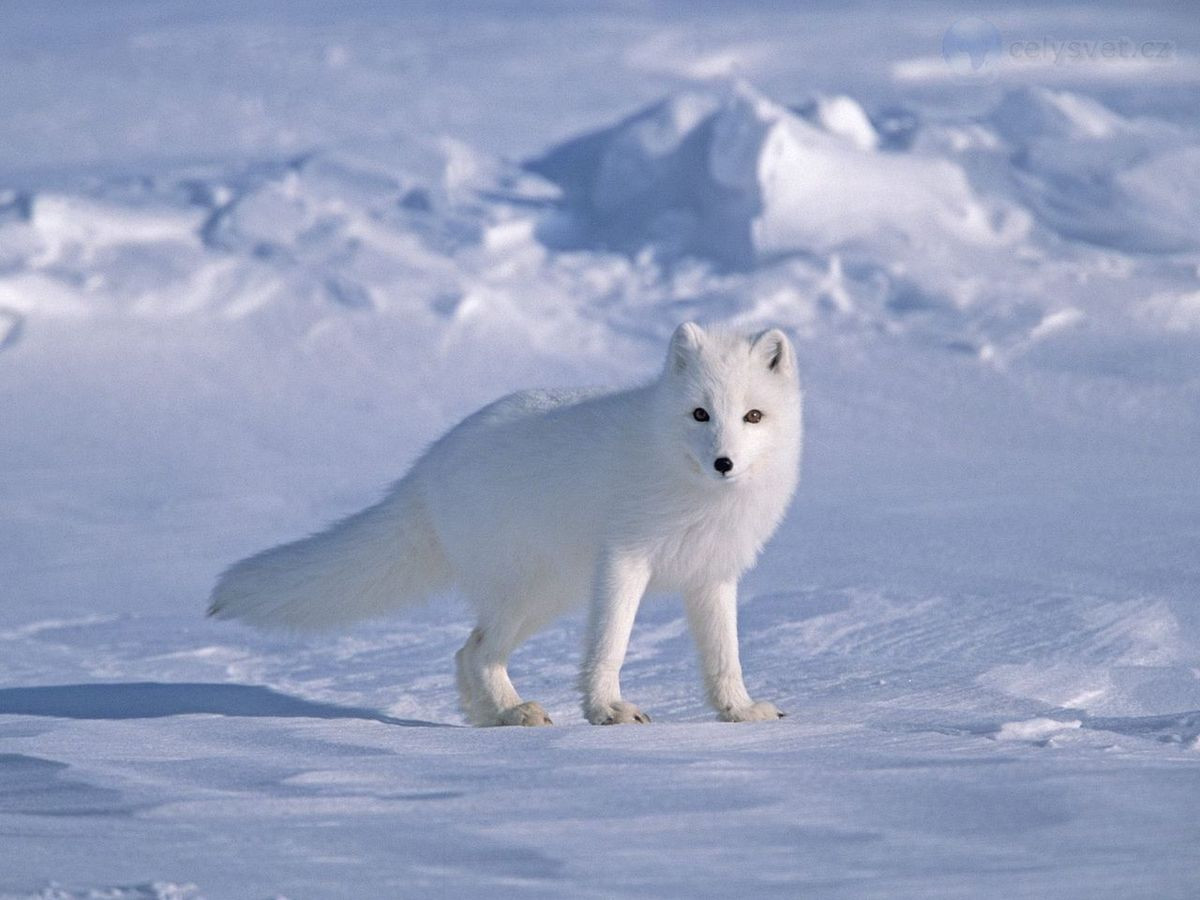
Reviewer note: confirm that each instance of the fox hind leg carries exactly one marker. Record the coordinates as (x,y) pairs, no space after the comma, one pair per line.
(463,676)
(486,694)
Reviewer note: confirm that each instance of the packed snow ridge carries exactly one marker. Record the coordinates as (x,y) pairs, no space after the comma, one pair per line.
(733,175)
(968,235)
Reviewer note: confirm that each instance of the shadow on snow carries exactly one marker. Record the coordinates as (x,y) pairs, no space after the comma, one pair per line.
(152,700)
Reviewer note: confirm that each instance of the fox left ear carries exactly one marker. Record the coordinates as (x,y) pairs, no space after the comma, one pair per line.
(774,350)
(685,343)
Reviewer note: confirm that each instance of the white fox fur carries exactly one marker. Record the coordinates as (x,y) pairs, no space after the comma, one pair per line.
(544,502)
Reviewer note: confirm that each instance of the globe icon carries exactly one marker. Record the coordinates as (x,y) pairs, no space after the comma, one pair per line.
(971,47)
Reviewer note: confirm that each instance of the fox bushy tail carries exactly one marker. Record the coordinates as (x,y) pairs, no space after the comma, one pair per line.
(371,563)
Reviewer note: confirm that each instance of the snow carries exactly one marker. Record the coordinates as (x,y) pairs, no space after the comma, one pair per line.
(1034,729)
(254,258)
(738,177)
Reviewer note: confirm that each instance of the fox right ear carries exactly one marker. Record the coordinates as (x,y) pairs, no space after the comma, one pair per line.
(773,348)
(684,344)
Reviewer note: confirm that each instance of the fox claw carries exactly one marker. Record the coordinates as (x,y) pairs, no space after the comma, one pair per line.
(619,713)
(755,712)
(529,713)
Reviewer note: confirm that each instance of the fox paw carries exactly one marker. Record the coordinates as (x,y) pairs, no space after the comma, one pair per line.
(619,713)
(528,713)
(755,712)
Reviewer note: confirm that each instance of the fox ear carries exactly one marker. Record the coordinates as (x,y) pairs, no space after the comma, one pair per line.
(774,350)
(684,343)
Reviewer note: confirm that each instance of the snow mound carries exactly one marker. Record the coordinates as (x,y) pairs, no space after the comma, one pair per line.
(842,115)
(1041,112)
(1034,729)
(1092,175)
(729,174)
(334,229)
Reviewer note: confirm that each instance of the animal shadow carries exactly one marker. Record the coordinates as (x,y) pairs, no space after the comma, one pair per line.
(153,700)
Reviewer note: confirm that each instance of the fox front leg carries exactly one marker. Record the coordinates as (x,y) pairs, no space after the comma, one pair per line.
(620,584)
(712,615)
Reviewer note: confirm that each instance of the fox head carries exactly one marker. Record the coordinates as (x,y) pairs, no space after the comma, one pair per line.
(731,404)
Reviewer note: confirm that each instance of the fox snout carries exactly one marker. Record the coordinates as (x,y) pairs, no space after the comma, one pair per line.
(723,464)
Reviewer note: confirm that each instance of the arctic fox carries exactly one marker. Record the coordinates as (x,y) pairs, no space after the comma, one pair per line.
(547,501)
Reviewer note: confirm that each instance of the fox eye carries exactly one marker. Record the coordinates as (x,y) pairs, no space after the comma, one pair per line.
(753,417)
(700,414)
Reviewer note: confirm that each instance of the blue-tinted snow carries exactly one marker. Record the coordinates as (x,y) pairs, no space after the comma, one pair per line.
(253,257)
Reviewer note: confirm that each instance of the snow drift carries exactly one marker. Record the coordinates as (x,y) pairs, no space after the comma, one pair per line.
(733,175)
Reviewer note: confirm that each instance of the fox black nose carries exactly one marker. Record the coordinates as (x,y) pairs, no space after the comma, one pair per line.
(723,464)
